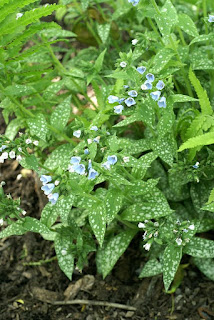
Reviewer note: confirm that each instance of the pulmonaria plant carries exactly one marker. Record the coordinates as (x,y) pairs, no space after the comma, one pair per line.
(137,159)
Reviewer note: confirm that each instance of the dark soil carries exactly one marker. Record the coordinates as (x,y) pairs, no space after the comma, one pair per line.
(29,291)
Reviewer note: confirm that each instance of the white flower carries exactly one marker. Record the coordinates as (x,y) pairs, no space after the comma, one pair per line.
(192,227)
(156,224)
(19,176)
(147,246)
(19,15)
(1,222)
(179,241)
(56,182)
(141,225)
(36,143)
(28,141)
(4,155)
(89,141)
(24,212)
(19,149)
(123,64)
(134,42)
(77,133)
(126,159)
(12,154)
(1,160)
(19,158)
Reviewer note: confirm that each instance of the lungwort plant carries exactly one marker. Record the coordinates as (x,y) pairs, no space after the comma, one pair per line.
(135,160)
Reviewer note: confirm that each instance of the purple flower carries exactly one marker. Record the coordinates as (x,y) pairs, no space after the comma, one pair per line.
(48,188)
(132,93)
(155,95)
(118,109)
(45,179)
(162,102)
(141,69)
(92,174)
(53,197)
(160,85)
(130,102)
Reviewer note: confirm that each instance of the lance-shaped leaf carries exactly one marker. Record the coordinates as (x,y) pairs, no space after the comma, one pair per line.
(187,25)
(171,260)
(14,229)
(38,126)
(97,220)
(113,201)
(61,114)
(112,250)
(200,248)
(206,266)
(151,268)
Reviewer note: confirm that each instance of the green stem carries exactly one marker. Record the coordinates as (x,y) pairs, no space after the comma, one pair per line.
(155,30)
(126,223)
(204,4)
(181,36)
(155,7)
(61,134)
(40,262)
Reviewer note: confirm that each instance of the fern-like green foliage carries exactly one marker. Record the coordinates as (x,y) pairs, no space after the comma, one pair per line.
(201,93)
(199,141)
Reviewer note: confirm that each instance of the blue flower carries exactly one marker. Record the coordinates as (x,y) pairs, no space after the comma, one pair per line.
(211,18)
(134,2)
(94,128)
(147,85)
(112,99)
(160,85)
(125,86)
(53,197)
(112,159)
(118,109)
(196,166)
(45,179)
(150,77)
(130,102)
(86,151)
(92,174)
(162,102)
(75,160)
(89,164)
(121,100)
(141,69)
(132,93)
(48,188)
(106,165)
(155,95)
(97,139)
(77,133)
(79,168)
(2,148)
(123,64)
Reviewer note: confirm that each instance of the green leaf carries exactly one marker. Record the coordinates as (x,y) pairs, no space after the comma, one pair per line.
(165,123)
(200,248)
(167,18)
(30,162)
(144,162)
(63,207)
(99,62)
(182,98)
(15,228)
(97,220)
(152,268)
(162,58)
(48,215)
(12,128)
(187,25)
(211,197)
(34,225)
(61,114)
(142,187)
(202,140)
(164,147)
(134,117)
(65,258)
(154,206)
(109,254)
(113,202)
(84,4)
(206,266)
(60,157)
(203,37)
(53,33)
(171,260)
(103,31)
(201,93)
(38,126)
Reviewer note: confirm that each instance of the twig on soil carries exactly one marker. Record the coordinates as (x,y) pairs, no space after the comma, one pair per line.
(40,262)
(94,303)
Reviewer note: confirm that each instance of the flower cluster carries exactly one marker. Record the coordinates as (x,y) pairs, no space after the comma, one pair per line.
(76,166)
(8,154)
(49,187)
(111,160)
(182,231)
(150,234)
(134,2)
